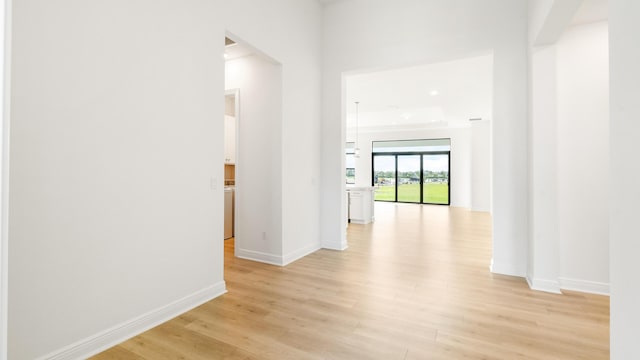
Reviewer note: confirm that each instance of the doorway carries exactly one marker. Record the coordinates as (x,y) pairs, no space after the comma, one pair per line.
(231,114)
(256,158)
(450,101)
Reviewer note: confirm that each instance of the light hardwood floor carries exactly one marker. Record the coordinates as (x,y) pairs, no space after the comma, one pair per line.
(413,285)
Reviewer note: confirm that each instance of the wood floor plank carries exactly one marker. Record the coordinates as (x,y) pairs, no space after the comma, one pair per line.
(413,285)
(117,353)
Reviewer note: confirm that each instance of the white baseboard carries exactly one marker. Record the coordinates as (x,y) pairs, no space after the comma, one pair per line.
(585,286)
(361,222)
(549,286)
(335,245)
(119,333)
(260,257)
(277,260)
(501,268)
(300,253)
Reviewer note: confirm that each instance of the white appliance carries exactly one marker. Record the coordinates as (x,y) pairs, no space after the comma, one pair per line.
(228,212)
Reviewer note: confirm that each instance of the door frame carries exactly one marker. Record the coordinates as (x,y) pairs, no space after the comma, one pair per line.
(5,98)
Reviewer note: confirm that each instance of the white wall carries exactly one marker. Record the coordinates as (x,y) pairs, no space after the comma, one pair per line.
(5,37)
(481,165)
(547,21)
(111,214)
(625,169)
(544,248)
(549,18)
(583,157)
(409,32)
(538,12)
(460,177)
(568,143)
(116,159)
(258,231)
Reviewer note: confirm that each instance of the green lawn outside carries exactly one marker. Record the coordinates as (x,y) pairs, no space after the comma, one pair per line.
(434,193)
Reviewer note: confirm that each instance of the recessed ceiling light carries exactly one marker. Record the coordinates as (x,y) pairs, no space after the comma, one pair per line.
(434,92)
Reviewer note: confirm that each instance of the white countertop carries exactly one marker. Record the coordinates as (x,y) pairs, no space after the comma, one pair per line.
(360,188)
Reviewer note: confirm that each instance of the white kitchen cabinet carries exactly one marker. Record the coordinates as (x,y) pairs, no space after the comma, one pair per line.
(361,204)
(229,139)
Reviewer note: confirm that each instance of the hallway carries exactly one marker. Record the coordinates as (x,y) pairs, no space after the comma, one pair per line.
(413,285)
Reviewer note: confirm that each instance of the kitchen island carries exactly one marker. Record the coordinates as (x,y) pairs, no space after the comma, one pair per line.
(360,204)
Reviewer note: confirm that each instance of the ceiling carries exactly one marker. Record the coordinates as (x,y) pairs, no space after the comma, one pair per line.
(445,94)
(591,11)
(323,2)
(237,50)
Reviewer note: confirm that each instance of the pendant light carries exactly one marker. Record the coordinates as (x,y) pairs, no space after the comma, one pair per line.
(356,150)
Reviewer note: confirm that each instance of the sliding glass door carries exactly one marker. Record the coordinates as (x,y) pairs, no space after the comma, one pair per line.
(384,177)
(408,178)
(412,171)
(435,180)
